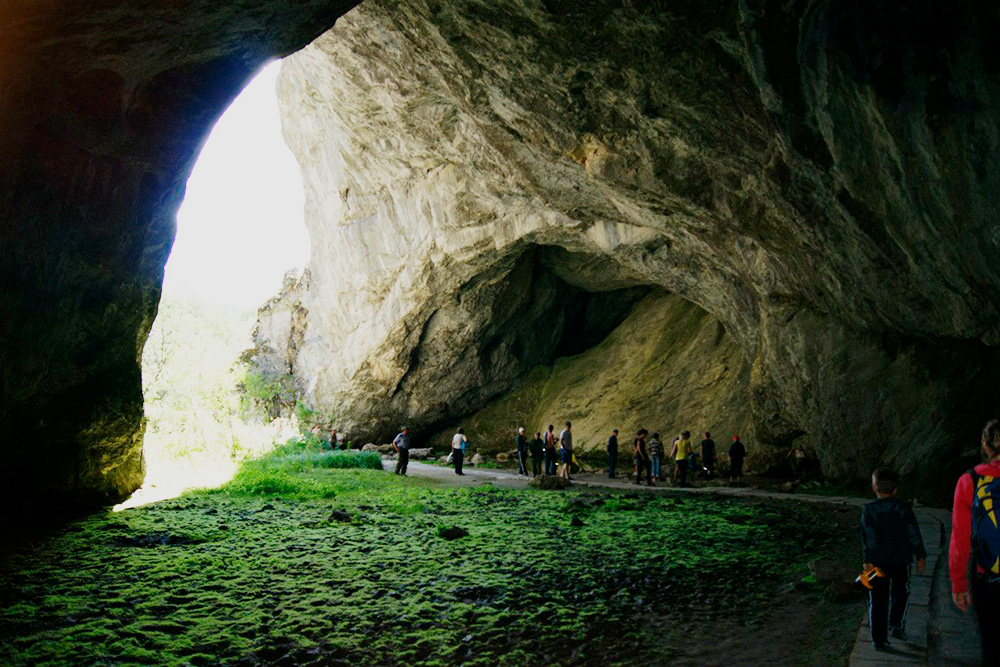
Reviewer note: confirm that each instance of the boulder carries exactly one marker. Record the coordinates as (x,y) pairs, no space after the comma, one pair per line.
(422,453)
(549,483)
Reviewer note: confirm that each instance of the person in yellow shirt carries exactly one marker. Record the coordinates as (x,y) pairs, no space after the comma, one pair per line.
(681,454)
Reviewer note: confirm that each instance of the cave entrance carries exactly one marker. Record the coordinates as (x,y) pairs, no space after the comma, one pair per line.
(239,230)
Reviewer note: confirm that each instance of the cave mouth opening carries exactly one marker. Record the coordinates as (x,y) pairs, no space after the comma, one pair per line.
(623,354)
(240,230)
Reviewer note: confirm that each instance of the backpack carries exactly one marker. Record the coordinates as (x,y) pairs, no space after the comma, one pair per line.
(985,531)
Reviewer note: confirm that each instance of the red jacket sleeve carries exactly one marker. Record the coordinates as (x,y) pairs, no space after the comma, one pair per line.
(961,535)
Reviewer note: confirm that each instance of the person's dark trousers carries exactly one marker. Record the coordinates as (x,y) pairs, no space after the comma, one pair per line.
(736,468)
(550,461)
(887,600)
(536,464)
(402,461)
(612,462)
(986,603)
(682,471)
(641,463)
(522,462)
(710,468)
(457,455)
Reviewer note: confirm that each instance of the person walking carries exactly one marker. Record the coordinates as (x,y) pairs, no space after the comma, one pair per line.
(737,452)
(681,454)
(612,453)
(550,451)
(566,450)
(522,452)
(656,457)
(641,457)
(401,443)
(537,447)
(708,455)
(458,442)
(890,540)
(975,543)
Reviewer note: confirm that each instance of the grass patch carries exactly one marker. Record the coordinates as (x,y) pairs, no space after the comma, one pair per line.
(229,577)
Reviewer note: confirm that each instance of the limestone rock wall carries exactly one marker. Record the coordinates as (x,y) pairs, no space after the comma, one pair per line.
(821,178)
(668,367)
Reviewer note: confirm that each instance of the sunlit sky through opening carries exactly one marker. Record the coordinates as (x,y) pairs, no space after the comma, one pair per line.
(240,227)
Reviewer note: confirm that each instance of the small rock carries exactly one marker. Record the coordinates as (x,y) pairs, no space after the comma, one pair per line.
(548,483)
(339,515)
(420,454)
(452,533)
(269,506)
(478,459)
(503,457)
(370,447)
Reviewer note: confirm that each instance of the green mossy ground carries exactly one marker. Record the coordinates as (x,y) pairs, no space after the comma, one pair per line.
(260,572)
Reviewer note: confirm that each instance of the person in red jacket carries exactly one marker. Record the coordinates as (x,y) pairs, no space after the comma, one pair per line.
(984,593)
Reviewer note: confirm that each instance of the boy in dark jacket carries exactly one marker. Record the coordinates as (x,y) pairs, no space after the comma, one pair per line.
(890,538)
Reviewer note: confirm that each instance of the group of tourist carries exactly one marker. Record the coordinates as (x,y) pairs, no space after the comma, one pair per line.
(648,458)
(553,455)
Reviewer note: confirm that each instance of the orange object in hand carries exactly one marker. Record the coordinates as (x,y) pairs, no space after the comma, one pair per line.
(865,578)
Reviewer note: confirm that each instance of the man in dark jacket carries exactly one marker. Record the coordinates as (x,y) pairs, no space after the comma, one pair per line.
(737,452)
(522,452)
(612,453)
(708,455)
(537,446)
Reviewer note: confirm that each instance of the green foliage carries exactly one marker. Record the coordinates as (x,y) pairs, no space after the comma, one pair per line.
(190,382)
(275,581)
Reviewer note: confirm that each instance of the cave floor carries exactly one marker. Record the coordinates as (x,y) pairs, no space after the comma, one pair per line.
(355,567)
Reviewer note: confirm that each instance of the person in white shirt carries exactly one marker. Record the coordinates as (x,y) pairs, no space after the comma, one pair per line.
(566,450)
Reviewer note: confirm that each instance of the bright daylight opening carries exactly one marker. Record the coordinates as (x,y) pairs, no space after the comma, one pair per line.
(239,230)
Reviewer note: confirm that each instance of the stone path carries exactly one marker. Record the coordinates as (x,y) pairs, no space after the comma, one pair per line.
(937,633)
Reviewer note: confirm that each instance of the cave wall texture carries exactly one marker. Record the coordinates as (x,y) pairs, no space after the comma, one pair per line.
(819,177)
(104,105)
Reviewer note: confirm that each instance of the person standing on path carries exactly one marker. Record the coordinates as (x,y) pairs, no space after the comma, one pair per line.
(890,539)
(550,451)
(708,455)
(566,450)
(333,439)
(682,450)
(458,443)
(537,446)
(401,443)
(641,457)
(975,542)
(737,452)
(522,452)
(656,457)
(612,453)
